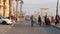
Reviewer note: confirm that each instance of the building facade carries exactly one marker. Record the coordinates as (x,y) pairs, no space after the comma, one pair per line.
(1,7)
(6,8)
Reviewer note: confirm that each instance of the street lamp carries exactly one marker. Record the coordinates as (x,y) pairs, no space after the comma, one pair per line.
(57,7)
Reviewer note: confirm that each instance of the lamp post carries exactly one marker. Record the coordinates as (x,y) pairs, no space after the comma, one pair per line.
(57,7)
(57,16)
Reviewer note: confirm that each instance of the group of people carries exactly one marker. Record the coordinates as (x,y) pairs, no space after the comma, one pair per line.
(47,21)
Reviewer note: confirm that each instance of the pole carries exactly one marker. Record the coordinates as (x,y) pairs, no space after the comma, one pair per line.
(57,7)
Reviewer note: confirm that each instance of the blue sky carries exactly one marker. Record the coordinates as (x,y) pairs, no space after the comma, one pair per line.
(30,6)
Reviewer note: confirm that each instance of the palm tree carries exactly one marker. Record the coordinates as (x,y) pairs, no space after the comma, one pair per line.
(21,12)
(16,8)
(17,5)
(21,3)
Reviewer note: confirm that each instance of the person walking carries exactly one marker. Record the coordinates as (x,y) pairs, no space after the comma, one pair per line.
(45,19)
(39,20)
(32,20)
(48,21)
(57,19)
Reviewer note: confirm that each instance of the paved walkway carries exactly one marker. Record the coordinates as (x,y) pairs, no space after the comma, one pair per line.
(4,28)
(58,25)
(25,28)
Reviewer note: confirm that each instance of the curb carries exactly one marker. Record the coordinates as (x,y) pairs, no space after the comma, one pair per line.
(55,26)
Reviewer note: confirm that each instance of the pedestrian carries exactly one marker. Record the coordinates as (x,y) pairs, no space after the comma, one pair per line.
(52,19)
(57,19)
(32,20)
(48,21)
(45,19)
(39,20)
